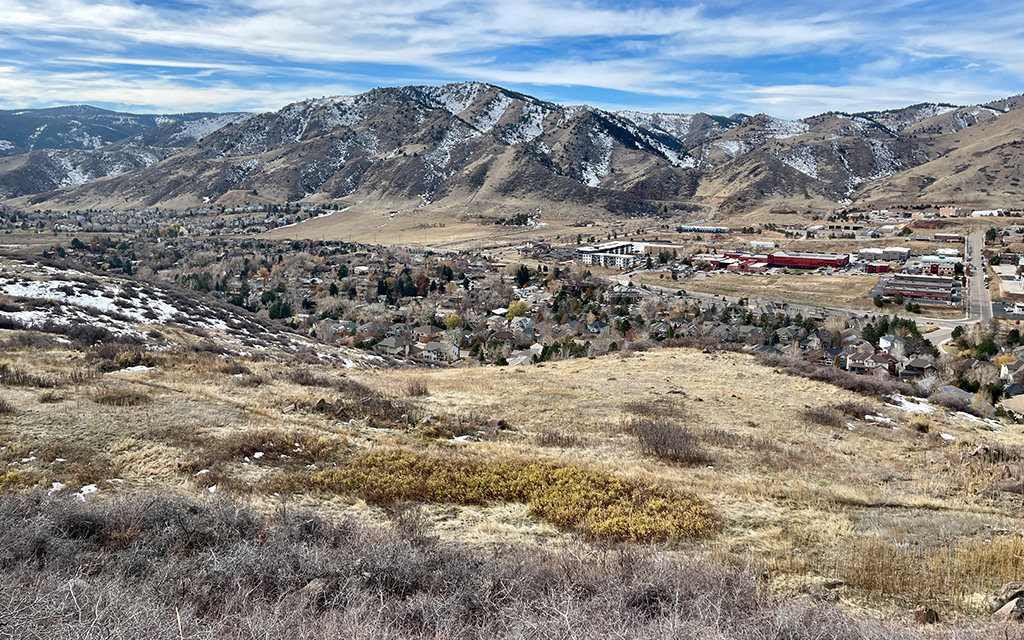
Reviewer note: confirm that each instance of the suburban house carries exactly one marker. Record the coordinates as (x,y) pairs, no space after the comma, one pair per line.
(394,346)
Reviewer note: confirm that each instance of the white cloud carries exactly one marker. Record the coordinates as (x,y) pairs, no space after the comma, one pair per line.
(698,57)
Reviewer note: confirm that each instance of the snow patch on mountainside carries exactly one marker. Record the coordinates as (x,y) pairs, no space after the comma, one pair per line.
(492,113)
(852,180)
(802,159)
(190,132)
(885,161)
(453,98)
(782,129)
(594,170)
(71,174)
(530,125)
(732,148)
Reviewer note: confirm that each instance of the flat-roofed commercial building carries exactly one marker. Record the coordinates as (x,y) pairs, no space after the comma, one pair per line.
(920,286)
(803,260)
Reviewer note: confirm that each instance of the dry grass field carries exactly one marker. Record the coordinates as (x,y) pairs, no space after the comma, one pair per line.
(843,292)
(712,451)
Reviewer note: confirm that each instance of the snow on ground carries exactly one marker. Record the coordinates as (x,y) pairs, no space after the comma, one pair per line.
(910,405)
(597,169)
(190,132)
(492,113)
(454,98)
(732,148)
(52,299)
(530,125)
(885,161)
(802,159)
(782,129)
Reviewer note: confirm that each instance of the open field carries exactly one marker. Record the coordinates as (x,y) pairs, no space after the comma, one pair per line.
(845,292)
(782,472)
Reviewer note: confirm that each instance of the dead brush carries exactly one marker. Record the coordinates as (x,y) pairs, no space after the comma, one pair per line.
(824,416)
(18,377)
(854,409)
(657,407)
(417,388)
(121,397)
(276,445)
(668,441)
(307,378)
(559,439)
(6,408)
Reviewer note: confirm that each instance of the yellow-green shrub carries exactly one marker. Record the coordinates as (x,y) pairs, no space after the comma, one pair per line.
(597,504)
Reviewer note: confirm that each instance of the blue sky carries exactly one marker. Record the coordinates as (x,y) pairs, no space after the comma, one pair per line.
(788,58)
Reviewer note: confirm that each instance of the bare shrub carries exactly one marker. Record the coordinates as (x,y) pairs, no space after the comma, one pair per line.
(48,397)
(6,408)
(121,397)
(867,385)
(668,441)
(233,368)
(854,409)
(250,380)
(307,378)
(560,439)
(954,402)
(656,407)
(167,567)
(417,388)
(824,416)
(18,377)
(364,402)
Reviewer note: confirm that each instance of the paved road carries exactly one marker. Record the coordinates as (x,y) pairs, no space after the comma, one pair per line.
(979,301)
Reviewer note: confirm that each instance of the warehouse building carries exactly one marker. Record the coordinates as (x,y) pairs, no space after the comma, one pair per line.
(920,286)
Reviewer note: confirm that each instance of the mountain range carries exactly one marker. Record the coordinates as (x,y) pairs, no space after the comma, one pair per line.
(472,148)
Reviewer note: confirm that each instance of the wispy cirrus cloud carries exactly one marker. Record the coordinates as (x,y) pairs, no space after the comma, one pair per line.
(793,57)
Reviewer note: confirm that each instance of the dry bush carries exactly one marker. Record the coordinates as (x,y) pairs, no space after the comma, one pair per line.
(50,397)
(360,401)
(854,409)
(824,416)
(276,445)
(166,567)
(250,380)
(954,402)
(727,439)
(867,385)
(18,377)
(121,397)
(560,439)
(668,441)
(233,368)
(596,504)
(417,388)
(920,423)
(6,408)
(29,340)
(656,407)
(307,378)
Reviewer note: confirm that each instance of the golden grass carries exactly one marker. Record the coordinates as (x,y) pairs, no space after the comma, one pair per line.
(775,480)
(950,574)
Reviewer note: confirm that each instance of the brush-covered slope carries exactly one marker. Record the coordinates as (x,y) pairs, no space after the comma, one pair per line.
(62,165)
(412,146)
(472,149)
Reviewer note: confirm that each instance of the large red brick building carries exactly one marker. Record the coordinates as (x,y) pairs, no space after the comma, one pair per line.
(802,260)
